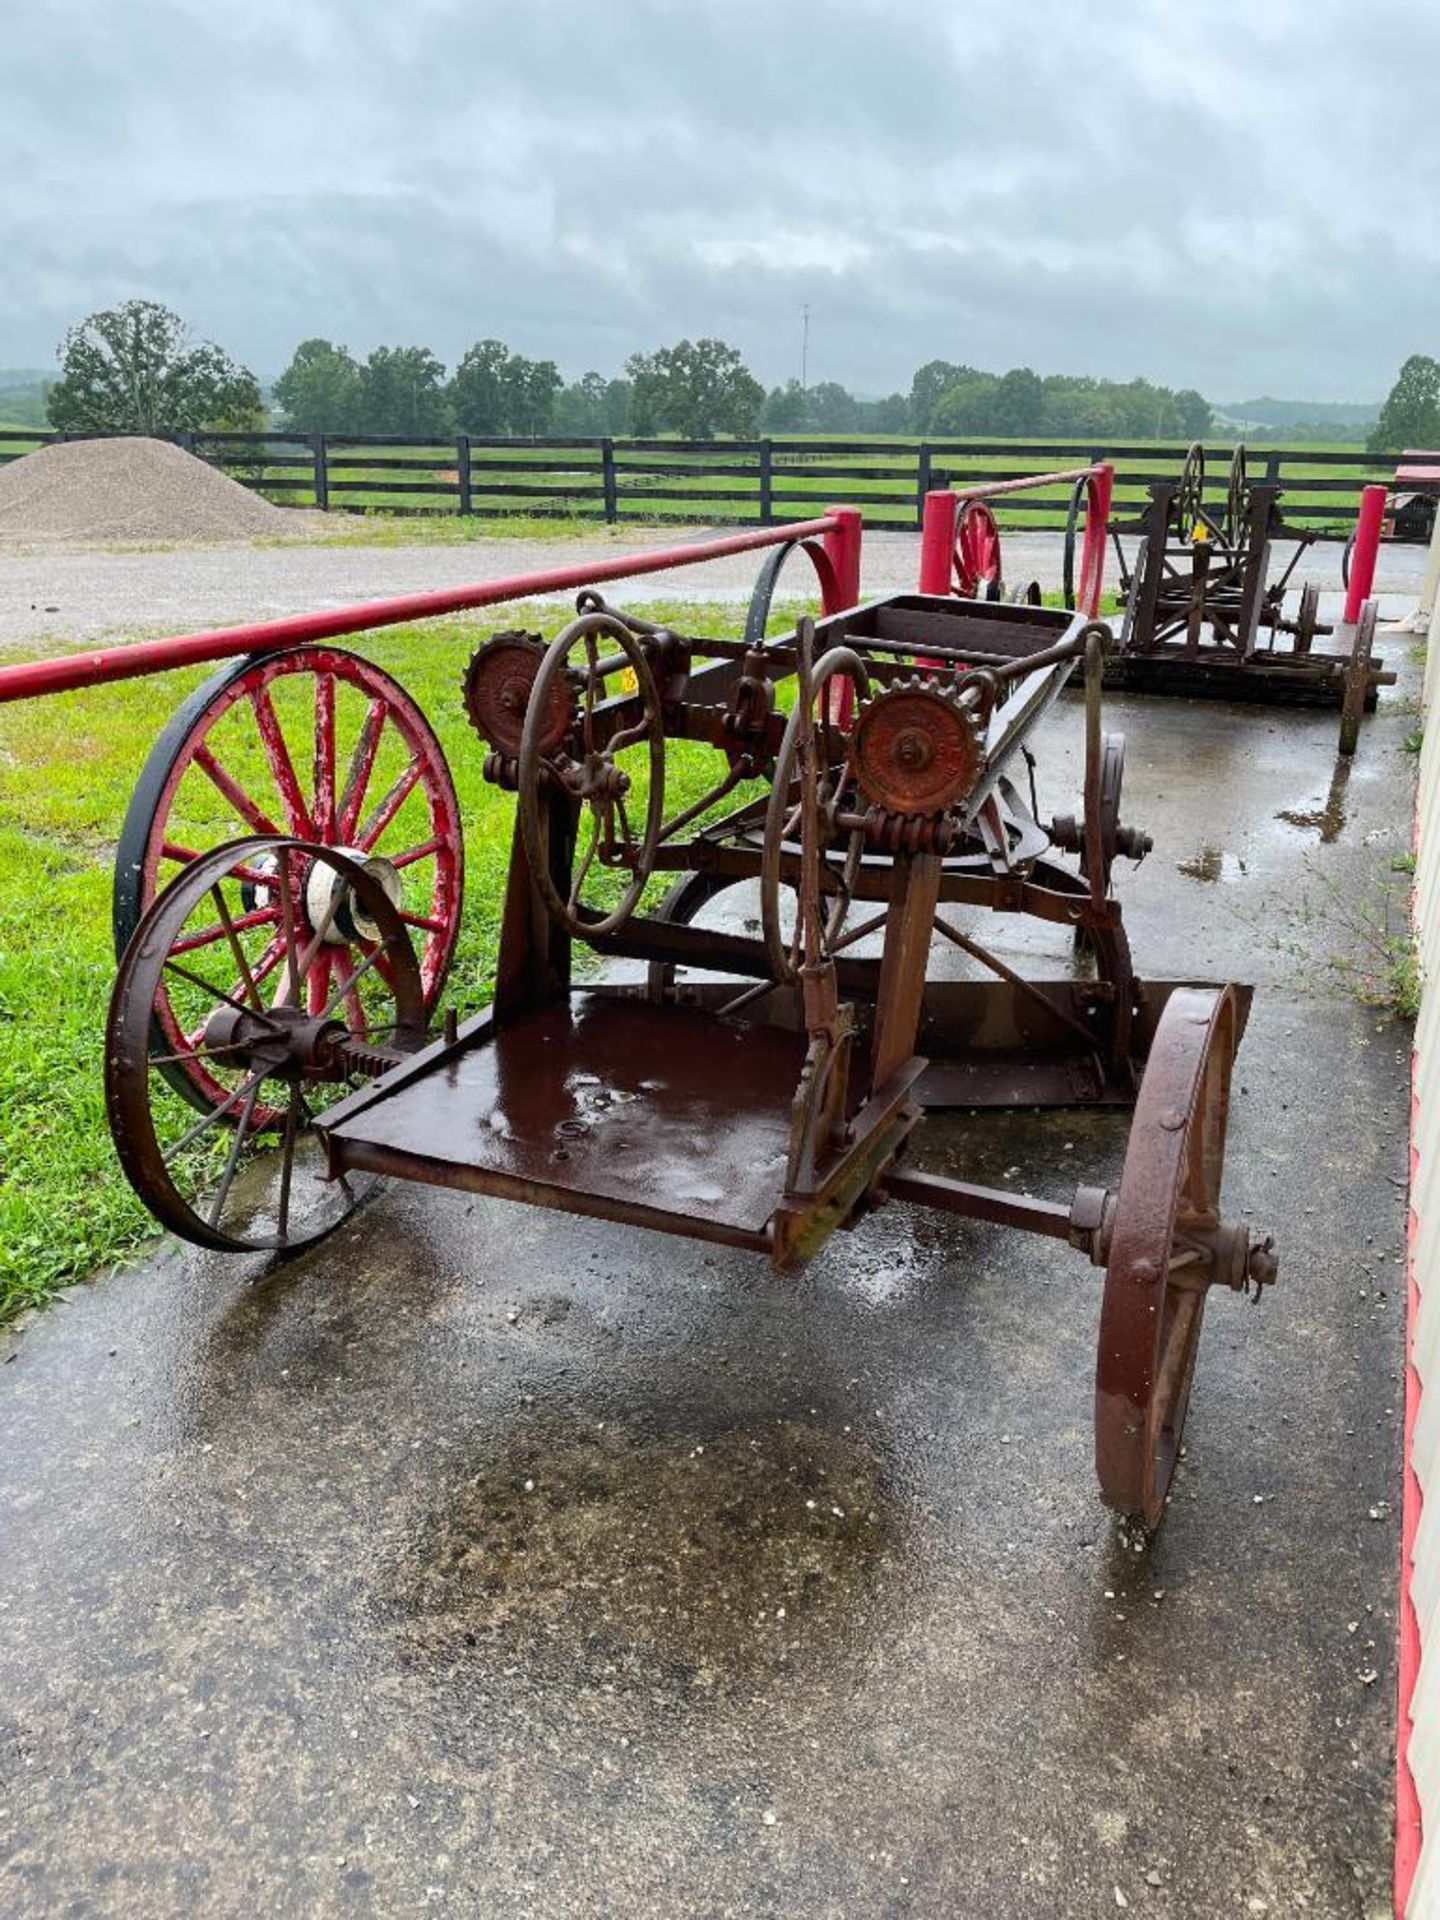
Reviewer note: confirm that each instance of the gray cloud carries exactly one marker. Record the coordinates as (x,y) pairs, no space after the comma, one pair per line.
(1236,198)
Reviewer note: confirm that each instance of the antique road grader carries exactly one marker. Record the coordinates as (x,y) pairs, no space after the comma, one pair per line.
(1203,615)
(771,834)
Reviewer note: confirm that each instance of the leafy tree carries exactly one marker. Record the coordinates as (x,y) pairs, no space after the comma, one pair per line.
(402,390)
(1016,404)
(497,391)
(784,409)
(1077,405)
(695,388)
(580,407)
(477,389)
(1196,415)
(931,381)
(617,406)
(320,390)
(831,409)
(1410,416)
(530,387)
(890,415)
(135,369)
(965,407)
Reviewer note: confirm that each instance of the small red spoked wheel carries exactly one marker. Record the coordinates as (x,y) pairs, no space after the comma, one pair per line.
(316,744)
(1150,1317)
(977,553)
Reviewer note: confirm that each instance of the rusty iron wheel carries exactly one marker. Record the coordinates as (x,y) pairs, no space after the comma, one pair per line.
(1308,617)
(316,743)
(1190,494)
(592,773)
(1150,1318)
(248,1174)
(782,816)
(1112,782)
(1237,499)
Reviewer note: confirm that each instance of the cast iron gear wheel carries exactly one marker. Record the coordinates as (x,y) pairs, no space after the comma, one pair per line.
(496,690)
(917,747)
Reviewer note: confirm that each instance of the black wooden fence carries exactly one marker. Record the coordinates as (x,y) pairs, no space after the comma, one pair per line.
(736,482)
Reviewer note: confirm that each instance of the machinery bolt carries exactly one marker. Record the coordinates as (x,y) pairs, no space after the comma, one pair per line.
(1262,1265)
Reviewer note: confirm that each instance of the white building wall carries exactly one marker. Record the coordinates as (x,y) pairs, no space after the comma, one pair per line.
(1423,1514)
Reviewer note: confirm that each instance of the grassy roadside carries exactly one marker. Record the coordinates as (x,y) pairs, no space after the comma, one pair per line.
(67,768)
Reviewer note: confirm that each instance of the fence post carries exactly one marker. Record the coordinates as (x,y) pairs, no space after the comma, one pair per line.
(462,473)
(1367,546)
(322,476)
(922,486)
(607,478)
(767,475)
(937,541)
(1272,468)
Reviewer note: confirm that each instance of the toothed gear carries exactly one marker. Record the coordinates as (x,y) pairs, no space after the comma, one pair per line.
(917,747)
(496,690)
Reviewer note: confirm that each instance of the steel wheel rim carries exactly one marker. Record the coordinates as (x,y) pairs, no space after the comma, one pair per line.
(830,666)
(536,767)
(242,1112)
(1149,1325)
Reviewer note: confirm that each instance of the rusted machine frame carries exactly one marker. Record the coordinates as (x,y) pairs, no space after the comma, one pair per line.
(1204,619)
(1036,884)
(1112,1017)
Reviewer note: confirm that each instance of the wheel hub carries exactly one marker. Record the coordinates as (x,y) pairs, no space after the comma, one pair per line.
(330,901)
(286,1042)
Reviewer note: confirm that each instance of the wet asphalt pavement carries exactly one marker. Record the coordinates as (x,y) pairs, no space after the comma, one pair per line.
(493,1562)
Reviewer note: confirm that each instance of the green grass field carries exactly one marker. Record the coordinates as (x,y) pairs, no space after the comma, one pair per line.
(68,766)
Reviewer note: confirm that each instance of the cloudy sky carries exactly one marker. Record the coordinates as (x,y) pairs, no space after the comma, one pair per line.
(1238,196)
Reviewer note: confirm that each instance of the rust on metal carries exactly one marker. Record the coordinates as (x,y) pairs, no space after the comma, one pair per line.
(785,831)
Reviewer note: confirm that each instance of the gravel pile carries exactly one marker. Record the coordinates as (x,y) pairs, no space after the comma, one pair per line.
(128,489)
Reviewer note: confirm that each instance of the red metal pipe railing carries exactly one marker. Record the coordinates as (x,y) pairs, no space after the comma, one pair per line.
(836,558)
(942,509)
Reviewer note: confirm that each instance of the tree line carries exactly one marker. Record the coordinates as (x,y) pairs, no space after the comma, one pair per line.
(137,369)
(702,388)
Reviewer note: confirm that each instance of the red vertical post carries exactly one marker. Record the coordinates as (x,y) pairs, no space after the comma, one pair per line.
(842,550)
(937,541)
(1098,492)
(1367,546)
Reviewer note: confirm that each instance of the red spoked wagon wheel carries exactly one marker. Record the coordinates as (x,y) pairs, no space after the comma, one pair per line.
(250,1173)
(977,553)
(312,743)
(1155,1286)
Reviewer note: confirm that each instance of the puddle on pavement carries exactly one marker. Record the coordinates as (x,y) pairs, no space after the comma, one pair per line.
(1211,864)
(1328,820)
(724,1559)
